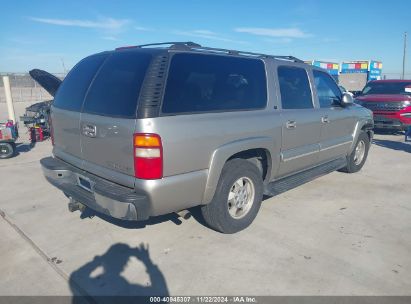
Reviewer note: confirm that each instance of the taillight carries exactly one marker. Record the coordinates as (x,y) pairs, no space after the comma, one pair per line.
(148,156)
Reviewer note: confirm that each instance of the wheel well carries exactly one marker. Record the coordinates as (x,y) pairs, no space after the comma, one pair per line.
(260,157)
(367,129)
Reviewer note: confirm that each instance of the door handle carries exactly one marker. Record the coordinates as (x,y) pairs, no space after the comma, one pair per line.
(291,124)
(89,130)
(325,119)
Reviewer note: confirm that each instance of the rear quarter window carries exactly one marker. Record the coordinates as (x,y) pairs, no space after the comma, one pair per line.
(116,87)
(208,83)
(70,95)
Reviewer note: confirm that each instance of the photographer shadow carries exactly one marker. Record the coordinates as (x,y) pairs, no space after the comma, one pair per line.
(101,278)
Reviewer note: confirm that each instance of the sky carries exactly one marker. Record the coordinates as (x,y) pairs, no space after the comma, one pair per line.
(55,35)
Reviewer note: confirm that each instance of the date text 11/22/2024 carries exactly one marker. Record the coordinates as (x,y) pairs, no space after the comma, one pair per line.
(203,299)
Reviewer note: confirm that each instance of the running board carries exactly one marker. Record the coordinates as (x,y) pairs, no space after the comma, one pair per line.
(293,181)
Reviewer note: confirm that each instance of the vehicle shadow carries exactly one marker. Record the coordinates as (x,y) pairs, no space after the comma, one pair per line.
(89,213)
(388,132)
(101,278)
(24,147)
(395,145)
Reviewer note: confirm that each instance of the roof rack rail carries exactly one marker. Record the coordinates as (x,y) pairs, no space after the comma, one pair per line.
(292,58)
(172,44)
(252,54)
(189,45)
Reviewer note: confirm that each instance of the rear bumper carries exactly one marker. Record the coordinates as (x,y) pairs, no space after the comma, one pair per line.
(147,198)
(106,197)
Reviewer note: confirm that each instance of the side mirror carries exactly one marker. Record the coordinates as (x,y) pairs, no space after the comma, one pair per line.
(346,99)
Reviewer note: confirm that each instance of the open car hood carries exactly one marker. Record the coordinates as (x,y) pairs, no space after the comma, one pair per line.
(48,81)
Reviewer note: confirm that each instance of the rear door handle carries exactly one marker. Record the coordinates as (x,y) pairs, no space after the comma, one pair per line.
(291,124)
(89,130)
(325,119)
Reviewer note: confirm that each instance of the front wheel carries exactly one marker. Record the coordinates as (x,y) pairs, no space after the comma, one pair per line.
(237,198)
(7,150)
(357,158)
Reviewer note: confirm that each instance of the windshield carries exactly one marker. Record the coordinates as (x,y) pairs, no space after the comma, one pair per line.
(386,88)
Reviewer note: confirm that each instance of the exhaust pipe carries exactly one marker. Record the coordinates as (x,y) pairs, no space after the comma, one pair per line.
(73,205)
(184,214)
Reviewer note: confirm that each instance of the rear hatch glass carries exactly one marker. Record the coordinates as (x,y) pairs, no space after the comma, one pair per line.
(109,111)
(115,90)
(67,106)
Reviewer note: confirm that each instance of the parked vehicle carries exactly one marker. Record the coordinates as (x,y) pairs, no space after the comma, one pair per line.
(148,130)
(390,101)
(36,118)
(8,136)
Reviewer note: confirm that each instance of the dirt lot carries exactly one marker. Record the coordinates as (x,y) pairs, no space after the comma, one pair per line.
(338,235)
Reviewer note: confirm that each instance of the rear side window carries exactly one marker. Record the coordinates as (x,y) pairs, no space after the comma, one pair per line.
(295,88)
(206,83)
(70,95)
(115,90)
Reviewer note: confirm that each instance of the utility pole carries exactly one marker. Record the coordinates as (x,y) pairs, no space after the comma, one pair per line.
(64,66)
(9,99)
(403,58)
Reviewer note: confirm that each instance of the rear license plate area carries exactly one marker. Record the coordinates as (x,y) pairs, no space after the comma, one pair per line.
(85,183)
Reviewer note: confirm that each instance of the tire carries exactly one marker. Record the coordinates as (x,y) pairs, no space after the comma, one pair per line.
(354,161)
(7,150)
(242,181)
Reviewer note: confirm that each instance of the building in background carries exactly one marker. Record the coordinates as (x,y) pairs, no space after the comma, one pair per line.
(354,75)
(332,67)
(372,68)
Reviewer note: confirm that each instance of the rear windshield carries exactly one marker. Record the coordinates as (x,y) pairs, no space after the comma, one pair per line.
(386,88)
(115,89)
(205,83)
(70,95)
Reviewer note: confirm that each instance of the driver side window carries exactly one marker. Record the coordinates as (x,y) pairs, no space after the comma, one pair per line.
(329,94)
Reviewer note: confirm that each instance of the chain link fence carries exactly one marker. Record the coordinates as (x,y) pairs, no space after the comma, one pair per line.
(395,76)
(24,88)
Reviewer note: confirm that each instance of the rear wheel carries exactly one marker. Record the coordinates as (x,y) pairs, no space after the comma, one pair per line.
(357,158)
(7,150)
(237,198)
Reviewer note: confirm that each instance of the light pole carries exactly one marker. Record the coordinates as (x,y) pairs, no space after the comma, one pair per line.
(403,57)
